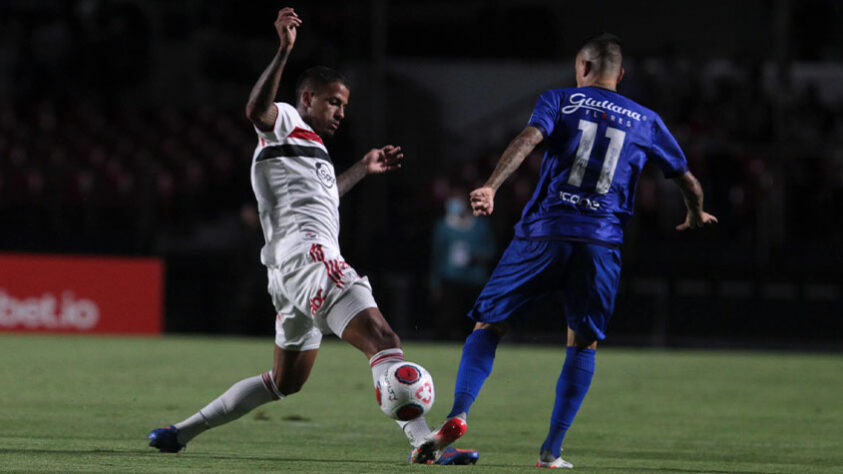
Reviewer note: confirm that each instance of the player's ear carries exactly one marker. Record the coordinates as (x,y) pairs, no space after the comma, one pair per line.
(307,98)
(620,75)
(586,67)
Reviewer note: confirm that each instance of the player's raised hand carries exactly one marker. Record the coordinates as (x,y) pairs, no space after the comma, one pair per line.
(286,25)
(482,201)
(695,220)
(381,160)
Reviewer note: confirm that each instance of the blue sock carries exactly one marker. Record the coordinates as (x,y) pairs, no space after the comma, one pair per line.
(571,388)
(478,354)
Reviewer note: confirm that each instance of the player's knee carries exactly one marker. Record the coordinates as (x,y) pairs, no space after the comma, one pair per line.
(499,328)
(288,386)
(581,343)
(290,389)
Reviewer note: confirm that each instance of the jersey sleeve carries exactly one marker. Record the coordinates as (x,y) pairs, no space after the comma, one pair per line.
(284,123)
(666,152)
(545,113)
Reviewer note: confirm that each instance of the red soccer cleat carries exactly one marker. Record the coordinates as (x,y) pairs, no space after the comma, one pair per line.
(428,452)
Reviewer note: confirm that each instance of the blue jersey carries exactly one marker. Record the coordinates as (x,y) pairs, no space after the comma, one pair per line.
(597,144)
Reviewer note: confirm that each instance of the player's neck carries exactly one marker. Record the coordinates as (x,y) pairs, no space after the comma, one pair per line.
(602,84)
(303,114)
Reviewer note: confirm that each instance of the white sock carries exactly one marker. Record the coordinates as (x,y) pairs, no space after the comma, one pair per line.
(243,397)
(383,360)
(417,429)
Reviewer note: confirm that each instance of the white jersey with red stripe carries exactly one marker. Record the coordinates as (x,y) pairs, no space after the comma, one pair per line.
(295,187)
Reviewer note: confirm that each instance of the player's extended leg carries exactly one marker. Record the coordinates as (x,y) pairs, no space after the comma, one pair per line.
(515,281)
(290,371)
(478,356)
(475,367)
(369,332)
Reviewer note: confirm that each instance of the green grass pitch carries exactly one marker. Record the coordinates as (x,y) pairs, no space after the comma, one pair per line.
(86,404)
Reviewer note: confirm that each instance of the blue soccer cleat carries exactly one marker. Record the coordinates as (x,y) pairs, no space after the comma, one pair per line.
(165,439)
(452,456)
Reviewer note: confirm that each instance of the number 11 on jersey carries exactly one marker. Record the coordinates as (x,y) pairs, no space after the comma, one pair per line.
(610,161)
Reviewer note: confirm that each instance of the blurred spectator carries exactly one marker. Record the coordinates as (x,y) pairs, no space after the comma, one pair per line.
(462,252)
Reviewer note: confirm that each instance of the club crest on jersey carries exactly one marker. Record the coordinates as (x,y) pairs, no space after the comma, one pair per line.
(323,172)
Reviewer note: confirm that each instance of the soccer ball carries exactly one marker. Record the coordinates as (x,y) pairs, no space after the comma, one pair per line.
(405,391)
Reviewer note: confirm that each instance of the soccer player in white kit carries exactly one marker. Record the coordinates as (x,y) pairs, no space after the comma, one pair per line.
(313,289)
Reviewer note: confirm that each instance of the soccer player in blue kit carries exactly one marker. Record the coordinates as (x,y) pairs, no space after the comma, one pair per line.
(570,231)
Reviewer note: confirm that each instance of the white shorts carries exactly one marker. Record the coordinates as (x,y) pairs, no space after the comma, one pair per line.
(315,292)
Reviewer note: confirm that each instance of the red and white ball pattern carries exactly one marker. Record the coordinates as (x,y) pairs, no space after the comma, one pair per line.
(405,391)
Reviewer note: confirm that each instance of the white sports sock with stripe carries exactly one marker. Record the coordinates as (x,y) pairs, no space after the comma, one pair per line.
(415,430)
(383,360)
(243,397)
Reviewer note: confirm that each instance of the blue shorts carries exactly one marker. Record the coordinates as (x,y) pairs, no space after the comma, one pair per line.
(585,274)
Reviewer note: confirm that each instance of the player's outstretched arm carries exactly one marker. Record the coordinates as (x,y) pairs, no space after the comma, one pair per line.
(483,198)
(260,109)
(693,194)
(377,160)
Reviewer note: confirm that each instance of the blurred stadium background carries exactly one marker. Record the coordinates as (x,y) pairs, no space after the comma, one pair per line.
(122,133)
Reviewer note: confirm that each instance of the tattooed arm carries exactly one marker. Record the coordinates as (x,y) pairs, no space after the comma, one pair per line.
(483,198)
(693,194)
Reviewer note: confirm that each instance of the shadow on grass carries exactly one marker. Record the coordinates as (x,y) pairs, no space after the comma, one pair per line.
(665,469)
(669,456)
(197,456)
(219,457)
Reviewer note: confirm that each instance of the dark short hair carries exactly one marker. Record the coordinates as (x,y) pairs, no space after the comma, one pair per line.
(605,48)
(316,78)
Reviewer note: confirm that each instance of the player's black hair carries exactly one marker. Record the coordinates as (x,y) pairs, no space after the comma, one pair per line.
(605,49)
(317,77)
